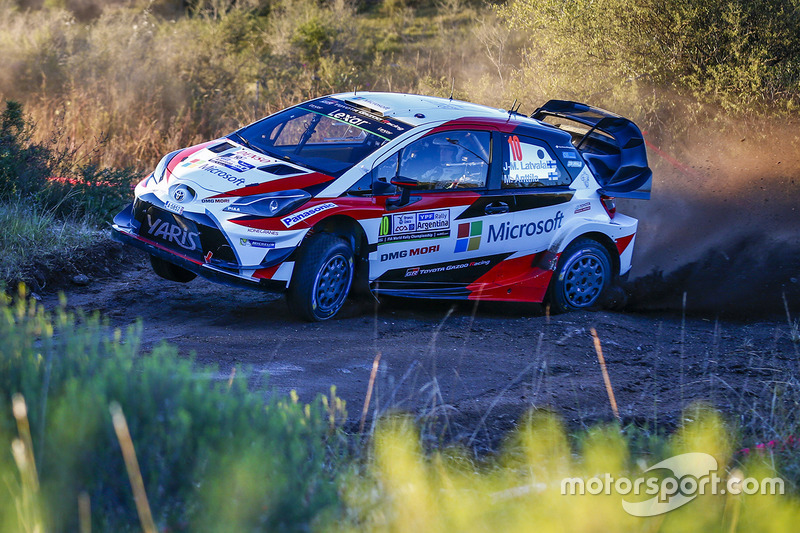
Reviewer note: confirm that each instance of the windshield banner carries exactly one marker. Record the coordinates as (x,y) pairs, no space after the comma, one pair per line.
(358,117)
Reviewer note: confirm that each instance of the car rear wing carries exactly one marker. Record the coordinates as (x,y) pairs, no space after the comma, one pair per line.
(611,145)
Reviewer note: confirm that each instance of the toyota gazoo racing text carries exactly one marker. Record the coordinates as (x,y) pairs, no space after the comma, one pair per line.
(401,195)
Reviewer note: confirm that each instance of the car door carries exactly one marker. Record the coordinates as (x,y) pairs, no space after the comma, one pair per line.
(435,244)
(540,185)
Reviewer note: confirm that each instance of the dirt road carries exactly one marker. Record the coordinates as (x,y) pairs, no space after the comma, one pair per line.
(471,371)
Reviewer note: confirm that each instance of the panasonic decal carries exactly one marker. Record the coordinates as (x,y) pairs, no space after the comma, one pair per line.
(291,220)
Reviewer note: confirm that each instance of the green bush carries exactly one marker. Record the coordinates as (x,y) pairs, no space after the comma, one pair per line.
(24,165)
(213,455)
(742,54)
(53,176)
(91,192)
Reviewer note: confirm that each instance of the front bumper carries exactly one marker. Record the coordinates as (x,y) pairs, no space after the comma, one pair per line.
(125,229)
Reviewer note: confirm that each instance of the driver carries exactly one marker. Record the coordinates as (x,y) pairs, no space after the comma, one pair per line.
(436,163)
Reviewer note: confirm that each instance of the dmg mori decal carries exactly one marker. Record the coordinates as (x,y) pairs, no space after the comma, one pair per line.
(400,254)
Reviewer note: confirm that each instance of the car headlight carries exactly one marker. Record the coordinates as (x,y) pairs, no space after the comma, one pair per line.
(269,205)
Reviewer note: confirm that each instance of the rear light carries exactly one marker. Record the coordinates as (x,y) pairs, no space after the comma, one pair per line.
(609,205)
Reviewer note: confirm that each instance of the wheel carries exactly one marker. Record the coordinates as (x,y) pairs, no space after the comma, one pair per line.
(322,277)
(170,271)
(581,278)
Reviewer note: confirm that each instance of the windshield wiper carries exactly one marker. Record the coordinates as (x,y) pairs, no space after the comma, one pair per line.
(246,142)
(261,150)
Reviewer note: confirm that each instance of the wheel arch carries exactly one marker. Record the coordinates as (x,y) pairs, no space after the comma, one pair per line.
(607,243)
(594,231)
(346,228)
(350,230)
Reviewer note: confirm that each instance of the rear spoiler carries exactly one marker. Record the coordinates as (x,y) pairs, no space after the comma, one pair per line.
(611,145)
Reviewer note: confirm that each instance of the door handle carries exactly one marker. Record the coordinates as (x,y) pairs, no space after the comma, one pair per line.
(496,208)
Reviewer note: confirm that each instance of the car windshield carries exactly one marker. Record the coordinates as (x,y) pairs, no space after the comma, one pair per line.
(326,135)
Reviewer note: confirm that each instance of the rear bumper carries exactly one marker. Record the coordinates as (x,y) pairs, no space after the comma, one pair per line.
(125,231)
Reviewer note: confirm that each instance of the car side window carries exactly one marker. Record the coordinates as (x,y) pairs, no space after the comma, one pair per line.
(447,160)
(383,171)
(386,170)
(530,163)
(362,187)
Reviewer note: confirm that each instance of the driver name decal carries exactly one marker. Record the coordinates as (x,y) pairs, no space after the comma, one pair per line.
(529,164)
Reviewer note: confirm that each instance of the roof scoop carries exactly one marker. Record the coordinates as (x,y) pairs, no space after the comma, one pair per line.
(368,105)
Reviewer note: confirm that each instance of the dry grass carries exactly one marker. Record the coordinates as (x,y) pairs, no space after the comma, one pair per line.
(29,234)
(151,83)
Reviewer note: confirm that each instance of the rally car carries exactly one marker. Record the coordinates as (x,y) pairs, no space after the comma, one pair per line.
(403,195)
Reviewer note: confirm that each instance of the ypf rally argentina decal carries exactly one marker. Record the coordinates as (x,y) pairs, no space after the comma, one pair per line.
(293,219)
(414,226)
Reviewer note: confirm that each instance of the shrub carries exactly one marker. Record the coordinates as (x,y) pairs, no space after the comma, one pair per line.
(213,455)
(24,165)
(53,176)
(403,488)
(740,54)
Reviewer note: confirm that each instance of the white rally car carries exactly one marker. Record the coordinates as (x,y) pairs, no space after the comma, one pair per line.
(402,195)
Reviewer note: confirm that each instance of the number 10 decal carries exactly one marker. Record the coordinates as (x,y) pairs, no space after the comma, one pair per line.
(516,148)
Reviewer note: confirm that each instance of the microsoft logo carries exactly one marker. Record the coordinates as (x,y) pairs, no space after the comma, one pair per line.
(469,236)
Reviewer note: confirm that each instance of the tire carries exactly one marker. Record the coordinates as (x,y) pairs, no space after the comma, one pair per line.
(170,271)
(582,277)
(323,274)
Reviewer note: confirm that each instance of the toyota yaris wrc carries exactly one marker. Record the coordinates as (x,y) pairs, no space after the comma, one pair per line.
(403,195)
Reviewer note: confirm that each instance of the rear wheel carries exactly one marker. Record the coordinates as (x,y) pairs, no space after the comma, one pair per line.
(582,277)
(170,271)
(322,277)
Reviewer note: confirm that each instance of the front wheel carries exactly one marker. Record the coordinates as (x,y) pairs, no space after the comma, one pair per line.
(322,277)
(170,271)
(581,278)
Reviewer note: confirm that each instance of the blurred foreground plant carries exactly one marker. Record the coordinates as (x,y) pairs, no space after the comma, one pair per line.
(406,489)
(213,456)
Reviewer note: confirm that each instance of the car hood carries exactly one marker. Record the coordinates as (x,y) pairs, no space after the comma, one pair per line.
(223,166)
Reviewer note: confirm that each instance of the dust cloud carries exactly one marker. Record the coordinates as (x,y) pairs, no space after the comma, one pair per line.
(723,224)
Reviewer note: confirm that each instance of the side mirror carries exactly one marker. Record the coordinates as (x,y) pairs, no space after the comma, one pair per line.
(405,185)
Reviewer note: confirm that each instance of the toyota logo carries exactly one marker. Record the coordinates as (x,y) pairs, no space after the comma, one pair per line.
(183,194)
